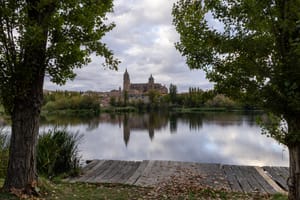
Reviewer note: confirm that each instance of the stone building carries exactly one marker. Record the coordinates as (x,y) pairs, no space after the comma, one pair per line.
(142,88)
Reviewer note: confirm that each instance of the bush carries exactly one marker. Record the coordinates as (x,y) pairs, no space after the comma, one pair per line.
(221,101)
(74,103)
(57,153)
(4,147)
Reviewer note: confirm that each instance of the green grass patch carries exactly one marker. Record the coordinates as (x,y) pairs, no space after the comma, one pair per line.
(78,191)
(279,197)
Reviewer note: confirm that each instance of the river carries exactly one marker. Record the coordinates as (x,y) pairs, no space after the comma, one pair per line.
(227,138)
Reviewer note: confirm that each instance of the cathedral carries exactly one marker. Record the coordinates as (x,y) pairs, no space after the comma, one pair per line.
(142,88)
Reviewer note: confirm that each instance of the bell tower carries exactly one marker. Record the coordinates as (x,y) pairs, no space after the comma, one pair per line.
(151,82)
(126,81)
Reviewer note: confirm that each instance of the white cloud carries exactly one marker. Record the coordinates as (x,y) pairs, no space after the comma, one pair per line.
(143,40)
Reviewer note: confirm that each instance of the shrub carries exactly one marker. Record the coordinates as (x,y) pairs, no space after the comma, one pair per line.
(221,101)
(57,153)
(76,102)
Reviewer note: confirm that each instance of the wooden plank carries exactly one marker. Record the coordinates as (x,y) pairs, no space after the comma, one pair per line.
(90,166)
(136,175)
(90,173)
(133,168)
(261,180)
(151,173)
(232,179)
(276,177)
(121,170)
(286,170)
(146,178)
(252,178)
(106,172)
(238,171)
(282,172)
(114,169)
(270,181)
(98,171)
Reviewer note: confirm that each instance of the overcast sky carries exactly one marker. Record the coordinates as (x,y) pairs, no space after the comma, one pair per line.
(143,40)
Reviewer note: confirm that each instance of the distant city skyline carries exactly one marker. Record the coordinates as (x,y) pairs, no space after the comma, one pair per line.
(143,40)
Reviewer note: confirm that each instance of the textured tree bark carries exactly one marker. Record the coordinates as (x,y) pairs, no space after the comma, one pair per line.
(294,153)
(294,179)
(21,173)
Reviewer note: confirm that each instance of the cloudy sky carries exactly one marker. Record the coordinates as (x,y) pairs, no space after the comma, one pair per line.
(143,40)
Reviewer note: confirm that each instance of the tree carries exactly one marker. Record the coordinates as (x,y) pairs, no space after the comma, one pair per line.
(38,38)
(126,97)
(252,53)
(173,93)
(153,98)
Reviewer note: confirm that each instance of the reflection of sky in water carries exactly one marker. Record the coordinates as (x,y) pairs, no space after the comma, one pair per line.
(229,143)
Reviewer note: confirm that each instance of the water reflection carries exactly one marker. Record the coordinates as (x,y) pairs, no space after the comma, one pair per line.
(154,121)
(232,138)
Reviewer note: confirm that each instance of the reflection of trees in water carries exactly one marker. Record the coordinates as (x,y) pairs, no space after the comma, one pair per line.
(149,121)
(126,130)
(64,120)
(196,120)
(173,123)
(230,118)
(154,121)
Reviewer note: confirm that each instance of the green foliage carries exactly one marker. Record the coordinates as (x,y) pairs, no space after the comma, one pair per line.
(251,53)
(57,153)
(220,101)
(49,37)
(173,93)
(112,101)
(126,98)
(279,197)
(4,148)
(71,101)
(273,126)
(154,98)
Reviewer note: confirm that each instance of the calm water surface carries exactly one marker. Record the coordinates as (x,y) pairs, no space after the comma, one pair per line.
(228,138)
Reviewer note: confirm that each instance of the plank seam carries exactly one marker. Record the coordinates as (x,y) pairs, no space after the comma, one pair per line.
(269,180)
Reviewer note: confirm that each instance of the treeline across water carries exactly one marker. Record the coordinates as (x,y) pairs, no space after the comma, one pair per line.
(192,101)
(90,103)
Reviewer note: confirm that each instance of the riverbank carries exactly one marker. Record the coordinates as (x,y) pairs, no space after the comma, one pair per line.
(59,190)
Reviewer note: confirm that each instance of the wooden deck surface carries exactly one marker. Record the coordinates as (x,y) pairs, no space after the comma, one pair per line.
(151,173)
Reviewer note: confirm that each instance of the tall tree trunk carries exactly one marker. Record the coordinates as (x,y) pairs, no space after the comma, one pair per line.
(21,173)
(294,153)
(294,179)
(28,95)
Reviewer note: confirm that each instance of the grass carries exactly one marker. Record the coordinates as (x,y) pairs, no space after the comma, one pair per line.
(82,191)
(57,153)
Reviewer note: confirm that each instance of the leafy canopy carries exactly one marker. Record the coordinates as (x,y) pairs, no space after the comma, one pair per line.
(249,48)
(73,30)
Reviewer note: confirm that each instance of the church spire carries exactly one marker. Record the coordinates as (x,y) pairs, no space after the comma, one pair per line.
(126,81)
(151,79)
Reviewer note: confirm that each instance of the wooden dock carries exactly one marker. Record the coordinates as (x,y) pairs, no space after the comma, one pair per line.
(247,179)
